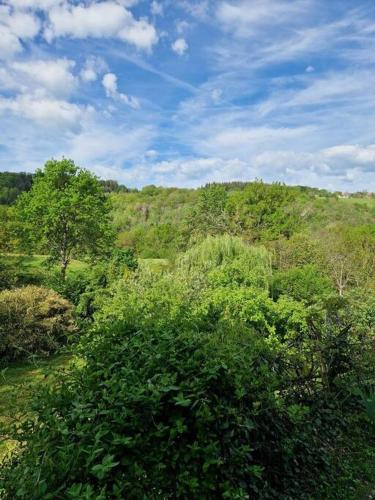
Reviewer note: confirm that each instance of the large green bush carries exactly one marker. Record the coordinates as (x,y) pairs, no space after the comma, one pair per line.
(33,320)
(164,414)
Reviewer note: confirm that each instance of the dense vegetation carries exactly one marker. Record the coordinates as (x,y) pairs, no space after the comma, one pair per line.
(12,184)
(226,336)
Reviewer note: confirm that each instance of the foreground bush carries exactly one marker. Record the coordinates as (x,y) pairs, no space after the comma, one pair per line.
(161,414)
(33,320)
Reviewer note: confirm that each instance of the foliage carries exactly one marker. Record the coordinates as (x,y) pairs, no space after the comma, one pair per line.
(8,239)
(305,283)
(188,407)
(33,320)
(66,213)
(264,211)
(220,250)
(350,255)
(12,184)
(6,277)
(210,216)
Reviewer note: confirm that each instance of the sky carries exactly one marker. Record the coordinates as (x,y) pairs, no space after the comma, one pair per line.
(185,92)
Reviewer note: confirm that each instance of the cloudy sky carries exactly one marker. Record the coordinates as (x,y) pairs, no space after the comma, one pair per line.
(182,92)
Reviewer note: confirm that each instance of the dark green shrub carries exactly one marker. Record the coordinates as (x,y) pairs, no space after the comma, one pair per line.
(160,414)
(33,320)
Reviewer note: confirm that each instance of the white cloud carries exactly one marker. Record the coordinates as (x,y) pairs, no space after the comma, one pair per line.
(88,74)
(139,33)
(180,46)
(9,43)
(25,26)
(107,19)
(109,83)
(47,112)
(15,27)
(53,76)
(351,155)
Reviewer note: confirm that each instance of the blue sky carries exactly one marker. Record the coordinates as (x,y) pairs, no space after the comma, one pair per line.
(183,92)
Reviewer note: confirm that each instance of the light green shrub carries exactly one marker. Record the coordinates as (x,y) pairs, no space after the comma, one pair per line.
(33,320)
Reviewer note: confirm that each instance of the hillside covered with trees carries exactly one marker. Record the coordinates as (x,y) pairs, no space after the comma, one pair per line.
(221,340)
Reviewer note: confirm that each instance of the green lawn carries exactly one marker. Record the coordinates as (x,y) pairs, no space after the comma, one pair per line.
(34,268)
(17,383)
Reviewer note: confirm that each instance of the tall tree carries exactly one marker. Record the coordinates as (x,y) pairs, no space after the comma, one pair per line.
(264,211)
(66,213)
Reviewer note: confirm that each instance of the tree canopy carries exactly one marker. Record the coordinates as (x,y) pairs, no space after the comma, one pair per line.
(66,213)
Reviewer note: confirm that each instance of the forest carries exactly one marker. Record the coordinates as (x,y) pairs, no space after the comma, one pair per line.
(216,342)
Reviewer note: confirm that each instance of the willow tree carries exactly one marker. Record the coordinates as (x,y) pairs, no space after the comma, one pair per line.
(66,213)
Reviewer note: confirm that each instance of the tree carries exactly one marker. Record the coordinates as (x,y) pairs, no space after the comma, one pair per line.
(7,235)
(350,256)
(66,213)
(264,211)
(210,215)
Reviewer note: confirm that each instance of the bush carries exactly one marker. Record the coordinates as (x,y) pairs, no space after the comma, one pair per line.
(33,320)
(159,414)
(175,401)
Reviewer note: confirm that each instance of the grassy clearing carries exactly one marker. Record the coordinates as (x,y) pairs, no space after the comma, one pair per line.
(34,268)
(17,384)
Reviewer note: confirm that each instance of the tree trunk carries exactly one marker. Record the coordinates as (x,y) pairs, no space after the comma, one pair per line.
(64,265)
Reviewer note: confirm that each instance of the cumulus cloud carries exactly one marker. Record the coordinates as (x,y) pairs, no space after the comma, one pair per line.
(9,43)
(109,83)
(44,111)
(180,46)
(351,156)
(53,76)
(106,19)
(15,27)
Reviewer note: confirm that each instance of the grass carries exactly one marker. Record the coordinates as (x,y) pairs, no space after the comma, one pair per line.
(17,384)
(34,268)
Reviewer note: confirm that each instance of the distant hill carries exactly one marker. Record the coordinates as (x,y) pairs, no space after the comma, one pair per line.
(12,184)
